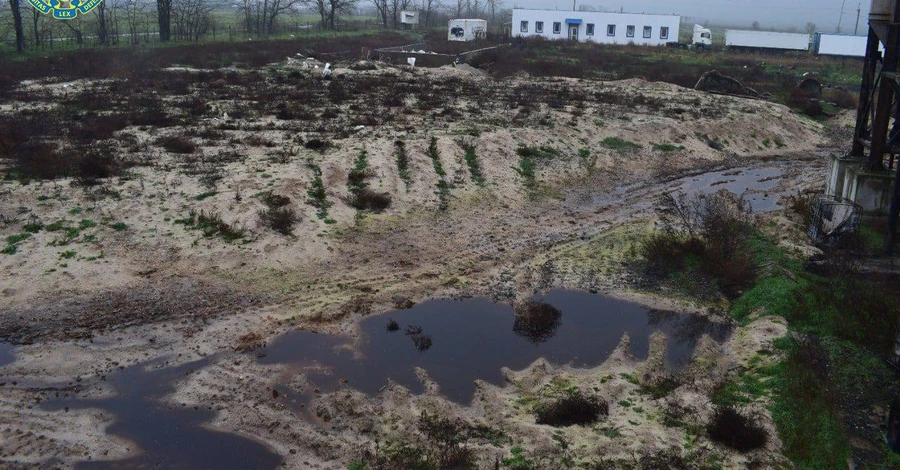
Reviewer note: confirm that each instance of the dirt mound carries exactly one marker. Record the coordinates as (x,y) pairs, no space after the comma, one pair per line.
(715,82)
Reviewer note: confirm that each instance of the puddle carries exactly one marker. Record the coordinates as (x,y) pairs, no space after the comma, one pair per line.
(473,339)
(7,356)
(168,437)
(460,341)
(755,184)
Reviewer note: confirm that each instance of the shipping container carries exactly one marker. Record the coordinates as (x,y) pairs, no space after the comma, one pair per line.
(840,45)
(766,40)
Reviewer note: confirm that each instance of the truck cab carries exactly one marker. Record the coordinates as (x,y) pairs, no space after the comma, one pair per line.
(702,37)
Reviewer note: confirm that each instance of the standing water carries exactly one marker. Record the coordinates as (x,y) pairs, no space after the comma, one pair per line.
(456,342)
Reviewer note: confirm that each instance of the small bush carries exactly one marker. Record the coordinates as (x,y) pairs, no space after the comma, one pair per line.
(279,219)
(177,144)
(736,431)
(372,201)
(392,326)
(211,224)
(402,161)
(420,340)
(536,321)
(472,162)
(573,409)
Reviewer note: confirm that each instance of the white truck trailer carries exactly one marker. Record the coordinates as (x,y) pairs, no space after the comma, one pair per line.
(842,45)
(466,30)
(763,40)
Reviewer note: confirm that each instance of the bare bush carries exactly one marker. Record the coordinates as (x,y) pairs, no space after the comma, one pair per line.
(573,409)
(736,431)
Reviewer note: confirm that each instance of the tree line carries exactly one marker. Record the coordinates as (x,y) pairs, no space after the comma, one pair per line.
(116,22)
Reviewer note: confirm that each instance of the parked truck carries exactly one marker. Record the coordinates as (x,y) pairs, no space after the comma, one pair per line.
(841,45)
(737,39)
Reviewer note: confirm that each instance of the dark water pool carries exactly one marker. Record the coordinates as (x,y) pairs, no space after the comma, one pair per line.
(173,437)
(469,339)
(474,339)
(7,356)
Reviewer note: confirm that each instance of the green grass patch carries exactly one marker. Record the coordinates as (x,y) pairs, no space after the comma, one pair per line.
(472,162)
(618,144)
(668,147)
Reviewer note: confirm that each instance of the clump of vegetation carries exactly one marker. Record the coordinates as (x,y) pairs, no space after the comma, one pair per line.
(661,387)
(277,215)
(402,161)
(572,409)
(443,188)
(526,169)
(419,339)
(211,224)
(392,326)
(472,162)
(517,460)
(736,431)
(12,243)
(536,321)
(316,192)
(544,152)
(177,144)
(361,197)
(619,144)
(706,235)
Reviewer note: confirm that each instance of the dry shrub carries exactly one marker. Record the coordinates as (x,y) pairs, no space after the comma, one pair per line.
(371,200)
(96,127)
(536,321)
(709,231)
(573,409)
(281,219)
(736,431)
(177,144)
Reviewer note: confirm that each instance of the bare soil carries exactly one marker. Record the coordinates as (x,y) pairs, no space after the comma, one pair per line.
(137,286)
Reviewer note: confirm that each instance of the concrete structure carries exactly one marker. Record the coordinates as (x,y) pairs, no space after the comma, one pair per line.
(466,30)
(842,45)
(743,39)
(599,27)
(409,19)
(848,180)
(872,139)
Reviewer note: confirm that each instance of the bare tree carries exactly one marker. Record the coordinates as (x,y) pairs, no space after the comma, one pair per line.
(164,18)
(102,24)
(460,6)
(16,7)
(756,25)
(396,6)
(261,16)
(136,18)
(810,28)
(382,7)
(429,7)
(191,19)
(329,10)
(492,5)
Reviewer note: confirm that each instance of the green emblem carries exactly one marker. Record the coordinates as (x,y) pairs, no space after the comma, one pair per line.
(64,9)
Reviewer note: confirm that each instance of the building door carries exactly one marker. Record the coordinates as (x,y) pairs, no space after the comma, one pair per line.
(573,32)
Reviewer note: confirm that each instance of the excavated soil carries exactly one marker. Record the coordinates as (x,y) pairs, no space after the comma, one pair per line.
(140,288)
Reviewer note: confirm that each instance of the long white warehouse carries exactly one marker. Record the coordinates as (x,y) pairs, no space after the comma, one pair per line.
(599,27)
(736,38)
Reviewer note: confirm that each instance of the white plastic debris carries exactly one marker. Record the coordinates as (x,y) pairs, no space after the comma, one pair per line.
(359,128)
(327,71)
(411,61)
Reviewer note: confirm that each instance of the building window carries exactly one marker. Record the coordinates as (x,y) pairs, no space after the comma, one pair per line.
(557,27)
(538,26)
(524,26)
(629,31)
(611,30)
(664,32)
(589,29)
(648,32)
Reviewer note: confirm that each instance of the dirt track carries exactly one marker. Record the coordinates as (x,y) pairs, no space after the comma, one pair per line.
(159,290)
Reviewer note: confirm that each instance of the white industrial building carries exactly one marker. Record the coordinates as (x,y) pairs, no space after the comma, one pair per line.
(599,27)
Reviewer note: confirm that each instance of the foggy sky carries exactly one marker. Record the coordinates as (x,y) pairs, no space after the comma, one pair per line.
(779,14)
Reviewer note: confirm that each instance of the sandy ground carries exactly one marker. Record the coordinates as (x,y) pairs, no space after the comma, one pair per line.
(78,309)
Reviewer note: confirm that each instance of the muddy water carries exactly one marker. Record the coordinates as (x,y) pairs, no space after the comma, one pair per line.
(755,184)
(469,339)
(6,354)
(474,339)
(168,437)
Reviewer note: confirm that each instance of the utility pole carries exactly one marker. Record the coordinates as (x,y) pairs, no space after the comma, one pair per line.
(858,9)
(842,16)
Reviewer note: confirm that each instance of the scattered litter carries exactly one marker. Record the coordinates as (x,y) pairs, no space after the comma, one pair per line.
(359,128)
(327,71)
(411,61)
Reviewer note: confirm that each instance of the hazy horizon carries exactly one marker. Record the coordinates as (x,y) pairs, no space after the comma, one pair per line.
(770,13)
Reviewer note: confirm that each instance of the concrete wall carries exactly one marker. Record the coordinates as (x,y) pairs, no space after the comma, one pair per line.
(620,23)
(872,191)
